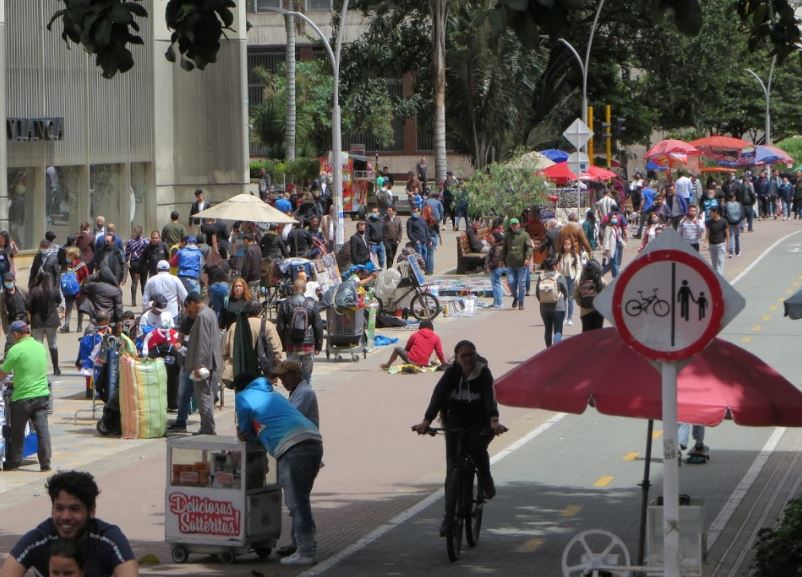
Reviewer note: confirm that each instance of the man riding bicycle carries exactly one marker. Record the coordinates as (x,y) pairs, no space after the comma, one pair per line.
(464,399)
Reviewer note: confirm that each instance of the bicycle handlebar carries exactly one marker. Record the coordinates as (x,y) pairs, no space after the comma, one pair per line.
(432,431)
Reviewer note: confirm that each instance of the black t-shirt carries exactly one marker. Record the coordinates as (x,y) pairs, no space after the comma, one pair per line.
(716,231)
(105,548)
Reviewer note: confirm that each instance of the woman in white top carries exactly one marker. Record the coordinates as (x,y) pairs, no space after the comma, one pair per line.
(569,264)
(611,244)
(654,228)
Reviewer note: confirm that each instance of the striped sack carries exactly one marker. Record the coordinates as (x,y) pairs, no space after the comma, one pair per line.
(143,397)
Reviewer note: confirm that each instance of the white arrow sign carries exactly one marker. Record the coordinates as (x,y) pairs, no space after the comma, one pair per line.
(578,133)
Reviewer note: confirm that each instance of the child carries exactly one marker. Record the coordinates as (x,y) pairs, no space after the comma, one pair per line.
(66,559)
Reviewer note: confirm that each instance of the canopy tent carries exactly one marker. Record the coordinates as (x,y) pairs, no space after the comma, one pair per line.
(531,161)
(720,147)
(559,173)
(597,173)
(247,208)
(555,155)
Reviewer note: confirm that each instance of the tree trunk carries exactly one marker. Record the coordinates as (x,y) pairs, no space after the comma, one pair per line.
(439,10)
(289,146)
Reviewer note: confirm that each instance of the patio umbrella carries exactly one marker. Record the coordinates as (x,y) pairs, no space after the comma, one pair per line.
(555,155)
(766,154)
(671,148)
(531,161)
(720,147)
(248,208)
(559,173)
(597,173)
(793,305)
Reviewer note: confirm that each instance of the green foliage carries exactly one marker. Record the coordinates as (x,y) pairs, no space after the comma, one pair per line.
(779,551)
(504,190)
(297,171)
(104,28)
(793,146)
(197,28)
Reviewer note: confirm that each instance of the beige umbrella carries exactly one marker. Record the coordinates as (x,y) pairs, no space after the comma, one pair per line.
(531,161)
(247,208)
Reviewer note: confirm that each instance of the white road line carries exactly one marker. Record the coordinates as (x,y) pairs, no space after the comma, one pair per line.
(753,264)
(418,507)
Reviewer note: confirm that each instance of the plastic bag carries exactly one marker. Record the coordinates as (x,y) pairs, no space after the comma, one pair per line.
(345,297)
(386,284)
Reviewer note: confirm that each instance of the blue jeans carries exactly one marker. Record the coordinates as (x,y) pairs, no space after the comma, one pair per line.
(786,208)
(553,323)
(307,362)
(191,284)
(377,249)
(422,250)
(217,297)
(685,428)
(516,277)
(185,389)
(570,312)
(612,265)
(430,255)
(749,209)
(717,257)
(735,239)
(495,281)
(297,469)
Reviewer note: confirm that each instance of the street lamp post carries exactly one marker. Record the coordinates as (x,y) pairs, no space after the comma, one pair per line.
(767,93)
(336,121)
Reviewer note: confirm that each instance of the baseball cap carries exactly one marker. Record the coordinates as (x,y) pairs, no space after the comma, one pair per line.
(192,239)
(515,221)
(285,367)
(163,265)
(50,235)
(159,301)
(19,327)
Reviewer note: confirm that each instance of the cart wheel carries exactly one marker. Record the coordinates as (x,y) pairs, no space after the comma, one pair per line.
(180,554)
(263,552)
(339,357)
(228,557)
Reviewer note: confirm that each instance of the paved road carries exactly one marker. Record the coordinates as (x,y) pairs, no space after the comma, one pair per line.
(375,470)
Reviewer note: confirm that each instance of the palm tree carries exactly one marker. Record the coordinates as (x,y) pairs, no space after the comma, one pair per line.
(439,9)
(292,26)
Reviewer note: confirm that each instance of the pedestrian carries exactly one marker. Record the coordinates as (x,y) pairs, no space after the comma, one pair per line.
(748,201)
(419,348)
(203,358)
(261,328)
(591,230)
(358,245)
(13,307)
(45,261)
(98,295)
(251,270)
(27,360)
(775,182)
(707,202)
(174,231)
(199,205)
(238,298)
(110,260)
(552,292)
(272,245)
(301,394)
(611,246)
(392,234)
(517,256)
(217,270)
(374,231)
(734,214)
(717,238)
(300,327)
(85,241)
(654,228)
(461,206)
(798,195)
(299,242)
(155,251)
(43,303)
(495,266)
(786,195)
(328,225)
(590,284)
(569,265)
(134,257)
(66,559)
(8,251)
(574,232)
(648,194)
(418,232)
(157,315)
(691,228)
(431,213)
(73,498)
(295,442)
(464,400)
(422,171)
(165,284)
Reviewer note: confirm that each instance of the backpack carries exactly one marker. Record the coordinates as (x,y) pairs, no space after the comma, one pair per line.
(264,350)
(734,212)
(299,322)
(587,292)
(549,290)
(69,283)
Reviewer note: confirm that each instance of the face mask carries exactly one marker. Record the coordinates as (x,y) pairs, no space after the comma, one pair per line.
(374,216)
(614,221)
(8,285)
(415,215)
(43,251)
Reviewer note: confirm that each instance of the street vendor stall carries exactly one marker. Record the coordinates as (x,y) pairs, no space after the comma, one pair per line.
(221,498)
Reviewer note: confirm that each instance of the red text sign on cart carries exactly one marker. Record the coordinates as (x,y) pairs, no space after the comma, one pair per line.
(668,305)
(200,515)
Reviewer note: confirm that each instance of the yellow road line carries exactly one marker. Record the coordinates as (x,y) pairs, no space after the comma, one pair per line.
(657,434)
(603,481)
(757,328)
(789,291)
(746,339)
(530,545)
(570,511)
(631,456)
(773,308)
(766,317)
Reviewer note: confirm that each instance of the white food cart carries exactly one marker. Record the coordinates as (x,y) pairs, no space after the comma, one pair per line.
(221,498)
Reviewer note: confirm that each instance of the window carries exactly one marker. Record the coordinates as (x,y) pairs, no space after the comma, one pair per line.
(263,5)
(319,5)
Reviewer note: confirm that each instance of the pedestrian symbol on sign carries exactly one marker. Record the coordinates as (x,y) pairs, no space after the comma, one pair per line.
(685,297)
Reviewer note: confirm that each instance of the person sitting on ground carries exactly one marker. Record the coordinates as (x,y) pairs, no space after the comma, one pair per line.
(73,495)
(419,348)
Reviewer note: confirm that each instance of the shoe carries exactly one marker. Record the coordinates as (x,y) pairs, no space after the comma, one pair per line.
(699,446)
(45,468)
(521,307)
(286,550)
(487,486)
(514,303)
(176,428)
(729,255)
(737,254)
(9,467)
(636,236)
(298,559)
(64,329)
(78,329)
(527,293)
(569,322)
(683,448)
(56,371)
(443,526)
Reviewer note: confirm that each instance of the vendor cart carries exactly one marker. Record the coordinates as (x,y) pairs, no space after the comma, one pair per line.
(221,498)
(345,333)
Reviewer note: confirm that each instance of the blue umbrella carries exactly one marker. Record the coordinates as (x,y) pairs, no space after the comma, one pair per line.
(555,155)
(652,165)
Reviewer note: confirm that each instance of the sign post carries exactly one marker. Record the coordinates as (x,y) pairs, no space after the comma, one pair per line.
(668,305)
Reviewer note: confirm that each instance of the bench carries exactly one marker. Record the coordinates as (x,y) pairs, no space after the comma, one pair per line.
(467,260)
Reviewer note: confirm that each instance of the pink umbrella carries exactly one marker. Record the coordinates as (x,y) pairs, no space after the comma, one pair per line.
(597,173)
(720,147)
(671,148)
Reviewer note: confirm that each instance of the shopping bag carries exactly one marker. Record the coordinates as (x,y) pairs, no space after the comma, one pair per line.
(143,397)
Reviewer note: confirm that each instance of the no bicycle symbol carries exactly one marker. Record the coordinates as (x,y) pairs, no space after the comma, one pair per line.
(668,305)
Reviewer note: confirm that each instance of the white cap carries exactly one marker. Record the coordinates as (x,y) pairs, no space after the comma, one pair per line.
(163,265)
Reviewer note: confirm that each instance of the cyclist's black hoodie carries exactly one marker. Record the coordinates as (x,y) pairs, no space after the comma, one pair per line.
(464,402)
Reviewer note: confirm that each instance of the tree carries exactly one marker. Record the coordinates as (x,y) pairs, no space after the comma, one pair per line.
(793,146)
(289,25)
(504,190)
(439,10)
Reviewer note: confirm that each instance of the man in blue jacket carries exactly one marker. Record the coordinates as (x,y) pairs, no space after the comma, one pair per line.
(189,261)
(296,444)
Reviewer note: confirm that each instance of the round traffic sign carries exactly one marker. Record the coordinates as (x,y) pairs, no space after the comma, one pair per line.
(668,305)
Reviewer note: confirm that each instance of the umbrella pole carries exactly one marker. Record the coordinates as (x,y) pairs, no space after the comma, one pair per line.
(645,486)
(671,526)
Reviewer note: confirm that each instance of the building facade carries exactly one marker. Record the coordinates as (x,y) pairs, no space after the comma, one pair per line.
(131,148)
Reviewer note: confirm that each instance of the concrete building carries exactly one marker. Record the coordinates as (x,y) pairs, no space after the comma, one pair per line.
(130,148)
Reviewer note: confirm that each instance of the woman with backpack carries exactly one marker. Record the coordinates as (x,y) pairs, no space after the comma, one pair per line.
(734,213)
(569,264)
(42,304)
(590,284)
(81,271)
(552,292)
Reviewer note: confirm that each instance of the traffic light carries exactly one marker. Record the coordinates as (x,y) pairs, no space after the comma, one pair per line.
(598,129)
(620,128)
(605,129)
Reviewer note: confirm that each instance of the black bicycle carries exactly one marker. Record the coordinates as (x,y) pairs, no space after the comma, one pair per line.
(464,498)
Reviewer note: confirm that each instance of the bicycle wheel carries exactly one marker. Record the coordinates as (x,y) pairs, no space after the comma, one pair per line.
(473,509)
(425,306)
(661,308)
(633,308)
(454,505)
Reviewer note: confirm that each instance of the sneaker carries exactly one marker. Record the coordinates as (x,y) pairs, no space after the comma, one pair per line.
(487,486)
(569,322)
(56,371)
(45,468)
(298,559)
(521,306)
(9,467)
(514,303)
(738,253)
(286,550)
(177,428)
(699,446)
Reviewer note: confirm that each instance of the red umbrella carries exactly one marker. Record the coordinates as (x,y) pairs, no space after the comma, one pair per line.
(670,148)
(720,147)
(597,173)
(724,381)
(559,173)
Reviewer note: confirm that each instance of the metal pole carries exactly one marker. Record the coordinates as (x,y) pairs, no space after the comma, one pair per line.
(584,77)
(766,94)
(645,486)
(671,526)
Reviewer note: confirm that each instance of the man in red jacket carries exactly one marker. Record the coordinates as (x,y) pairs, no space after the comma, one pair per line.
(420,347)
